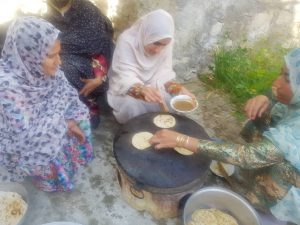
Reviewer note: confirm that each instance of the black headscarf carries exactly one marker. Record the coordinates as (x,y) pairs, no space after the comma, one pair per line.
(85,32)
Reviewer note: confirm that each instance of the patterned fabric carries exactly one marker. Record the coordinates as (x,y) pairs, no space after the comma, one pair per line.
(33,107)
(262,174)
(100,67)
(251,156)
(86,32)
(58,175)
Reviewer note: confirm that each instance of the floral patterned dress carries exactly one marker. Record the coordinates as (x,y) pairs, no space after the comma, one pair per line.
(268,169)
(34,108)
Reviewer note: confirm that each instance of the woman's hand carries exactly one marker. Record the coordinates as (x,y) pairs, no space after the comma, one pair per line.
(74,130)
(151,94)
(164,139)
(90,85)
(185,91)
(256,106)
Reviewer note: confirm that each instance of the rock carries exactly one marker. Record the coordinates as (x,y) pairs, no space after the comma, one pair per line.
(201,25)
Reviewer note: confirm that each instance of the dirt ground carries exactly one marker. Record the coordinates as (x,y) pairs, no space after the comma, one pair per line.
(215,113)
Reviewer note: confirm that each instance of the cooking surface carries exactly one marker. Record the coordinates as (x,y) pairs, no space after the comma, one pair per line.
(164,168)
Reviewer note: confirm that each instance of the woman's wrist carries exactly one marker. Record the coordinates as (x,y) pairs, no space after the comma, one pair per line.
(187,142)
(71,124)
(173,87)
(136,91)
(182,140)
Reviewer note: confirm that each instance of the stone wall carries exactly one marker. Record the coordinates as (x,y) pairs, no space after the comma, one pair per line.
(201,25)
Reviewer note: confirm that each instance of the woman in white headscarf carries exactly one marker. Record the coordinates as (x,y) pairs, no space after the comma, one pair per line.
(142,76)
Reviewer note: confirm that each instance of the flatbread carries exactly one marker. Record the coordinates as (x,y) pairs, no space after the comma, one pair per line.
(12,208)
(224,218)
(183,151)
(215,168)
(141,140)
(204,217)
(164,121)
(211,217)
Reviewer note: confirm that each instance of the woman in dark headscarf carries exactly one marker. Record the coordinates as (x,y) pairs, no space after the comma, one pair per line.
(86,49)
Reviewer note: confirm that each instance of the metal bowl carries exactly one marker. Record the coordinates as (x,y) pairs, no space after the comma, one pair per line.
(18,188)
(224,200)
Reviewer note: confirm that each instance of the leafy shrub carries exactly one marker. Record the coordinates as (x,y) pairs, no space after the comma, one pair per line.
(244,72)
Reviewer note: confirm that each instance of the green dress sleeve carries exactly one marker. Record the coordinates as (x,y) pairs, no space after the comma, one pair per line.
(251,155)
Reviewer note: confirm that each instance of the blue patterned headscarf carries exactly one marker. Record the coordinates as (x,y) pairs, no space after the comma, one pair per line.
(286,137)
(33,106)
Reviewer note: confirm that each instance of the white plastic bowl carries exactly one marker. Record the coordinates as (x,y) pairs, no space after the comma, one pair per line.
(224,200)
(183,97)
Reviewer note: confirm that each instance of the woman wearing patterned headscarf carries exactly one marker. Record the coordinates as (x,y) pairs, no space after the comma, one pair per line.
(272,178)
(44,127)
(141,76)
(86,49)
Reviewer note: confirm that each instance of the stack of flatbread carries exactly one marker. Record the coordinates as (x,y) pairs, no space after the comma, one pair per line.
(12,208)
(211,217)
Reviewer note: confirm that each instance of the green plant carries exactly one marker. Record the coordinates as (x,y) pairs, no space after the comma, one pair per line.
(245,71)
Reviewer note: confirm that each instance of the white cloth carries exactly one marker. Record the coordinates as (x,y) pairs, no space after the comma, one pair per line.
(131,64)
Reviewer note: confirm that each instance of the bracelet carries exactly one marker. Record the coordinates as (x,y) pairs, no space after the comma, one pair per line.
(173,88)
(187,141)
(181,139)
(178,140)
(139,90)
(136,91)
(96,64)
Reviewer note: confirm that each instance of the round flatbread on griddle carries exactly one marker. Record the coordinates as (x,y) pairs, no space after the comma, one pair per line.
(164,121)
(183,151)
(141,140)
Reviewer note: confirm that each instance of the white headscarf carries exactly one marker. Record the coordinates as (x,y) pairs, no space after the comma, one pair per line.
(286,137)
(131,64)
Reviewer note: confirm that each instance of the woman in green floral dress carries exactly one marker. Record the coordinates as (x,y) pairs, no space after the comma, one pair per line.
(269,168)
